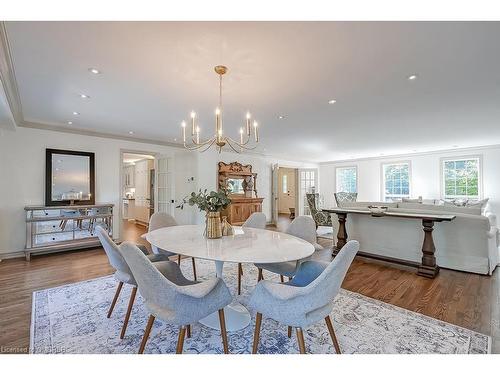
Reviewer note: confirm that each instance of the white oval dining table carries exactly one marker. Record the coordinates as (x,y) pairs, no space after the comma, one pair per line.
(246,245)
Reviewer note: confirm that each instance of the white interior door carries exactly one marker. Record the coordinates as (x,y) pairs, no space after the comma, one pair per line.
(287,190)
(275,196)
(308,183)
(164,194)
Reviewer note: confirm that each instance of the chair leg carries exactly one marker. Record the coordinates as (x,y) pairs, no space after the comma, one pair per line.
(282,279)
(223,332)
(332,334)
(194,269)
(179,259)
(261,276)
(115,298)
(240,272)
(289,332)
(180,340)
(129,310)
(151,320)
(300,340)
(256,335)
(188,331)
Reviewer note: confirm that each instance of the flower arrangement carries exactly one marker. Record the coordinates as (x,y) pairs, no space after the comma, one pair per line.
(215,201)
(212,203)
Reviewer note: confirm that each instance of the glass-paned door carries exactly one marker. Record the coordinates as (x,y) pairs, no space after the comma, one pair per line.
(164,185)
(308,183)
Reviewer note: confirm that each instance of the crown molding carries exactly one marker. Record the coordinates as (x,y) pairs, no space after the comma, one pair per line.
(8,76)
(414,154)
(91,133)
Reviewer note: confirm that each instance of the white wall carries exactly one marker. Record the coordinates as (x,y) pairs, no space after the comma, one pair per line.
(425,175)
(22,174)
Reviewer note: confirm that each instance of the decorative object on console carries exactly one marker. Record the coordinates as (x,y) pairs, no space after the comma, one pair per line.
(378,210)
(320,218)
(212,203)
(412,200)
(241,184)
(219,138)
(69,177)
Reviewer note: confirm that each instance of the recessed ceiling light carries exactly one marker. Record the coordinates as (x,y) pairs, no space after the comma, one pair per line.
(83,96)
(130,132)
(76,113)
(94,71)
(332,101)
(175,139)
(70,122)
(281,117)
(412,77)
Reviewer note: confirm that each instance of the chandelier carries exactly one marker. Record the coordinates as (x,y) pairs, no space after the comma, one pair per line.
(219,139)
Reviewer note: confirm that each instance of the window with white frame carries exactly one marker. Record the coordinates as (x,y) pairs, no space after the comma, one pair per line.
(346,179)
(461,178)
(284,184)
(395,181)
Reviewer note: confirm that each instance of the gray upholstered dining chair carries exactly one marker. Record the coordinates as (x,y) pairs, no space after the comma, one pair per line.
(256,220)
(122,274)
(161,220)
(302,227)
(306,299)
(172,298)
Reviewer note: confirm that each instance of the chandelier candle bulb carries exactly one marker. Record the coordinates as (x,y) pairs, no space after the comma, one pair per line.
(193,126)
(255,125)
(241,135)
(248,123)
(198,134)
(184,131)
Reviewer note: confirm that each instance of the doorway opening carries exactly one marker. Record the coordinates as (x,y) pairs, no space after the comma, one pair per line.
(287,194)
(137,194)
(289,187)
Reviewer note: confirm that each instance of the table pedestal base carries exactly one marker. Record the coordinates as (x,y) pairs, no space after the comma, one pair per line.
(237,317)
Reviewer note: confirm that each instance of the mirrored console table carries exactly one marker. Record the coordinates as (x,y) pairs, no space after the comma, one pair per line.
(60,228)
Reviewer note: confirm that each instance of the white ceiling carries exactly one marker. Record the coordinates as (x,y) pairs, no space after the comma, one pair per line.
(155,73)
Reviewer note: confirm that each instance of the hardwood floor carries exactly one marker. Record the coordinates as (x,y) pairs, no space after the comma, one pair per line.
(464,299)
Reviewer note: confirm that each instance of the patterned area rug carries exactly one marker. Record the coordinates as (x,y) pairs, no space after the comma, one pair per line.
(72,319)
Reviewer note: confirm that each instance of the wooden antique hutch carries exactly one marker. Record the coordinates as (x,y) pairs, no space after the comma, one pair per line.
(242,185)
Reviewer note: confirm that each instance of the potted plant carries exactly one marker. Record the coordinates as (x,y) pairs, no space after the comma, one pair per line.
(212,203)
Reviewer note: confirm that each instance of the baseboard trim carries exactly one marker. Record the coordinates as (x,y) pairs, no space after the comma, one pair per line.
(11,255)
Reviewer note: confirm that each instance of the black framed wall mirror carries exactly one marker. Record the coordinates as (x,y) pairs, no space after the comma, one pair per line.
(69,177)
